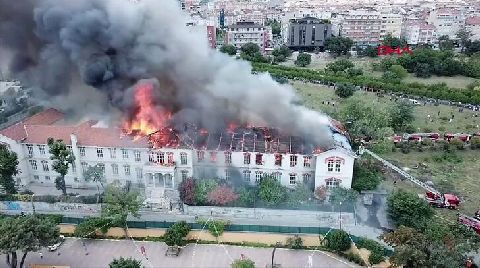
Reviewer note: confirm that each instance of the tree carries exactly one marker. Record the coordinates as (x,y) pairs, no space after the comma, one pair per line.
(354,72)
(444,43)
(303,59)
(62,158)
(393,42)
(407,209)
(175,235)
(202,189)
(423,70)
(472,47)
(119,204)
(187,189)
(338,45)
(271,191)
(247,196)
(281,54)
(243,263)
(369,51)
(96,174)
(391,77)
(222,195)
(250,49)
(339,65)
(338,240)
(401,114)
(295,242)
(299,195)
(343,195)
(125,263)
(365,178)
(399,71)
(464,38)
(321,193)
(26,234)
(89,227)
(229,49)
(8,169)
(345,90)
(276,28)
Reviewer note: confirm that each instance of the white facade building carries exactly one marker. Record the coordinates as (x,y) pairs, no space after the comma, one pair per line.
(238,159)
(419,32)
(242,33)
(362,26)
(472,24)
(447,21)
(391,24)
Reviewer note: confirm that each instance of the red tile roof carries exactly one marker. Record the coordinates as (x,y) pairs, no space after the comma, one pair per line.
(472,21)
(47,117)
(38,128)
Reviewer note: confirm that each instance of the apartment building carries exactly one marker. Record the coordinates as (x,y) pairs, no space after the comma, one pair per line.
(241,157)
(363,26)
(447,21)
(245,32)
(391,24)
(417,32)
(308,33)
(472,24)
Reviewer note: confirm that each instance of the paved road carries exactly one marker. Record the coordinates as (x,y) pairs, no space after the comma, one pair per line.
(102,252)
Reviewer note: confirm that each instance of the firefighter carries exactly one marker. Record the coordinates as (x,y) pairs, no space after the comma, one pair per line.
(470,263)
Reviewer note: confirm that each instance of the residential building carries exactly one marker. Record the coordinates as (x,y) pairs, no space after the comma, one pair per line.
(362,26)
(419,32)
(158,164)
(472,24)
(245,32)
(207,31)
(391,24)
(308,33)
(447,21)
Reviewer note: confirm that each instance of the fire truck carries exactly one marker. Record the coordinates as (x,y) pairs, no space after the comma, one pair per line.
(471,222)
(439,200)
(418,137)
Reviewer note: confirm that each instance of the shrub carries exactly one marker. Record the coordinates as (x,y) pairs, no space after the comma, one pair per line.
(321,193)
(375,248)
(339,65)
(187,189)
(295,242)
(303,59)
(345,90)
(365,179)
(125,263)
(354,71)
(338,240)
(271,191)
(215,227)
(457,143)
(228,49)
(475,143)
(352,257)
(243,263)
(175,234)
(399,71)
(222,195)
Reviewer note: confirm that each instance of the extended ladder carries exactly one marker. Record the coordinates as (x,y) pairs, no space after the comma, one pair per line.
(400,171)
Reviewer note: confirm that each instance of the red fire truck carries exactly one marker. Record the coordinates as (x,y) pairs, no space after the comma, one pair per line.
(471,222)
(442,200)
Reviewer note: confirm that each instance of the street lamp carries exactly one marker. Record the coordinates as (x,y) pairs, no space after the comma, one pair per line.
(340,215)
(273,253)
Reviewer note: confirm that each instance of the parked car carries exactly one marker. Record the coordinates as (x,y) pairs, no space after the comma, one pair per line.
(57,245)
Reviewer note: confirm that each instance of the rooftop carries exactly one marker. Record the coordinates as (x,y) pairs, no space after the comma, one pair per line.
(472,21)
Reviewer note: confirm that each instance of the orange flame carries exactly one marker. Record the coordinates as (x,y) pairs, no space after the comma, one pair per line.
(148,117)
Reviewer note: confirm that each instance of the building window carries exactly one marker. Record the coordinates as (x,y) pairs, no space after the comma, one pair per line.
(36,177)
(278,160)
(228,158)
(184,174)
(139,173)
(30,150)
(330,165)
(45,166)
(125,153)
(99,152)
(82,151)
(293,179)
(293,160)
(246,158)
(183,158)
(259,159)
(258,176)
(337,165)
(74,168)
(227,174)
(277,175)
(306,178)
(113,152)
(246,175)
(41,149)
(200,156)
(307,161)
(115,169)
(168,180)
(161,158)
(33,163)
(126,168)
(149,179)
(332,183)
(102,167)
(213,157)
(84,167)
(137,156)
(47,178)
(170,158)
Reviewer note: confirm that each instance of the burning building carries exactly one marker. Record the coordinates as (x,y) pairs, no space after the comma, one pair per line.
(171,106)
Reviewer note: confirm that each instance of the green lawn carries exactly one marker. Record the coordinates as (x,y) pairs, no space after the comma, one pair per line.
(454,81)
(459,178)
(313,95)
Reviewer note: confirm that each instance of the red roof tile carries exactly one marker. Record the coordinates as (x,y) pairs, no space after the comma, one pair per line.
(47,117)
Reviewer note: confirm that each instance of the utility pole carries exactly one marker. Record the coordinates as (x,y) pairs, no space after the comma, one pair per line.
(33,204)
(340,215)
(273,253)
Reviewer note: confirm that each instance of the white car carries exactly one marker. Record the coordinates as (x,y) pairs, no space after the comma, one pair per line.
(57,245)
